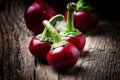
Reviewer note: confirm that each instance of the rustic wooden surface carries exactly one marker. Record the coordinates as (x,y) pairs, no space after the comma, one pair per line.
(100,59)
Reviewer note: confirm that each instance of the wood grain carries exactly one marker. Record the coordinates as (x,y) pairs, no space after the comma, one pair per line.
(100,59)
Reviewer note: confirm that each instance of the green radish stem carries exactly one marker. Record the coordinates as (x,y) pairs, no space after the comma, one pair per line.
(69,28)
(57,41)
(45,35)
(83,5)
(54,19)
(69,23)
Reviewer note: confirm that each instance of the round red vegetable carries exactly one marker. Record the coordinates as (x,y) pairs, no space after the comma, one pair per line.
(63,55)
(70,33)
(35,13)
(39,48)
(85,17)
(79,41)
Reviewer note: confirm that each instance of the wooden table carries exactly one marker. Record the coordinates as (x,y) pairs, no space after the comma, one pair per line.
(100,59)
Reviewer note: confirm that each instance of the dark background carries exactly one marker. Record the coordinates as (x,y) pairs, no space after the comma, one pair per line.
(107,9)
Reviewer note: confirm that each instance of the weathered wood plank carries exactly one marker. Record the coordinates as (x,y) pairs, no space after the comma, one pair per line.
(103,53)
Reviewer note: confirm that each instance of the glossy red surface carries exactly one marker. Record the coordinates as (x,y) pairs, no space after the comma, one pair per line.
(36,13)
(63,57)
(84,20)
(39,48)
(79,41)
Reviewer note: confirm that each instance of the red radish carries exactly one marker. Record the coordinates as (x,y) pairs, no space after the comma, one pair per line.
(85,17)
(70,33)
(79,41)
(63,57)
(35,13)
(39,48)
